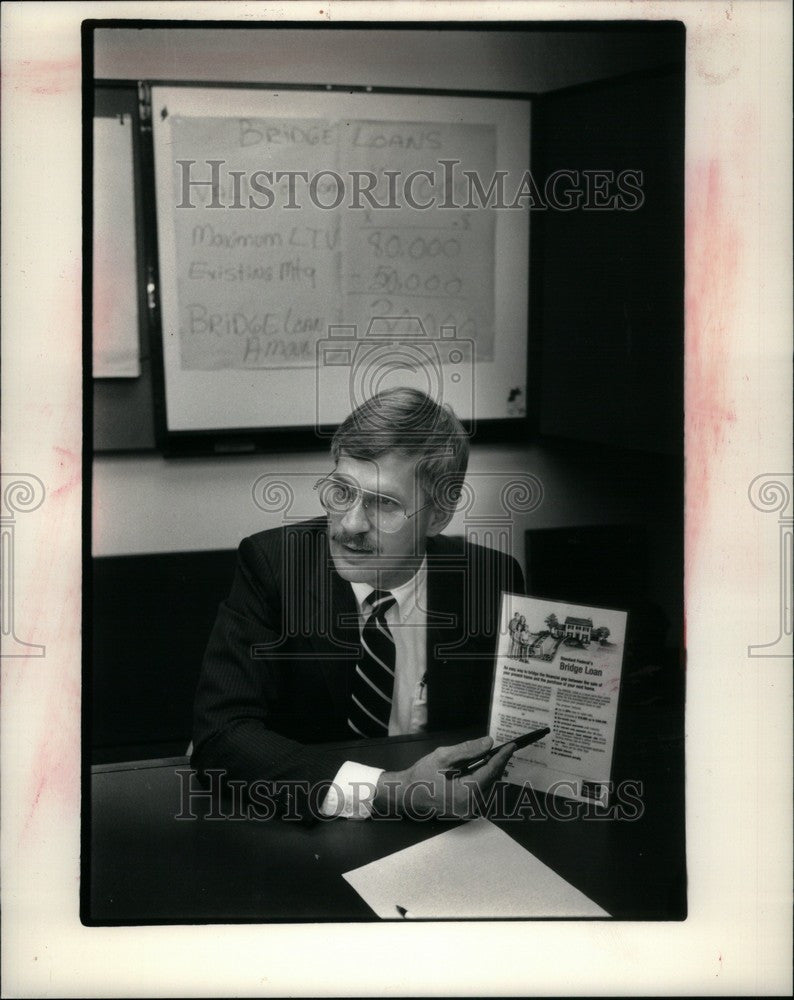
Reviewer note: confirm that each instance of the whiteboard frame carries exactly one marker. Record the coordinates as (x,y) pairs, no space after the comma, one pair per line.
(305,433)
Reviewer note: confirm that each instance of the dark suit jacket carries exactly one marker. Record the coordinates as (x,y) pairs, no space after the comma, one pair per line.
(276,677)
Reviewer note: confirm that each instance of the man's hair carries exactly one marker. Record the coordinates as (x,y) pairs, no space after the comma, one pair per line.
(410,422)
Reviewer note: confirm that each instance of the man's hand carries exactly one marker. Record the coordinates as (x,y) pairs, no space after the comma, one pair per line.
(422,791)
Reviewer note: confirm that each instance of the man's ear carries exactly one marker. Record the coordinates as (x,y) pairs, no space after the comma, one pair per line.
(438,520)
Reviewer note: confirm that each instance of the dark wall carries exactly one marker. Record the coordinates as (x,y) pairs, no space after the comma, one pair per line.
(152,617)
(609,284)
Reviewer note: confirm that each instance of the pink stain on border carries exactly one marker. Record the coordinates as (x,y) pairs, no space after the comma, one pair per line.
(713,255)
(43,76)
(67,459)
(55,769)
(54,778)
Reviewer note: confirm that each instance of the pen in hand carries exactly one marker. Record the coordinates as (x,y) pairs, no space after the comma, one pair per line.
(470,766)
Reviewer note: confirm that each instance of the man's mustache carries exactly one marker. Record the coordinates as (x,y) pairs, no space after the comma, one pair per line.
(353,541)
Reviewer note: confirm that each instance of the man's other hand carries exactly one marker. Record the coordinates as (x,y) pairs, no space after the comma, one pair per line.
(423,791)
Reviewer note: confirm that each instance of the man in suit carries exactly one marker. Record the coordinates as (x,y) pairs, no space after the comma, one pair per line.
(364,622)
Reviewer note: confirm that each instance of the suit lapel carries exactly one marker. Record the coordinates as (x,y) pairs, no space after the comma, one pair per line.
(445,602)
(332,625)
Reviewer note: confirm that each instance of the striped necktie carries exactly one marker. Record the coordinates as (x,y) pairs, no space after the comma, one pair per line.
(373,684)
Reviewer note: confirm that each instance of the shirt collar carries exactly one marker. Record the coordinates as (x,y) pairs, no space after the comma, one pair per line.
(407,594)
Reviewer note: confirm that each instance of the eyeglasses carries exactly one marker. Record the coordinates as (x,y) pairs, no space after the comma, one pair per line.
(384,513)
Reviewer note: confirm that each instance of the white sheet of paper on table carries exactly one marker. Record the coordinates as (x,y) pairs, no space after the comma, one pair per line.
(475,870)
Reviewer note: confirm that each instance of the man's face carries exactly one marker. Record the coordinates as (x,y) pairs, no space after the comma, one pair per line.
(361,552)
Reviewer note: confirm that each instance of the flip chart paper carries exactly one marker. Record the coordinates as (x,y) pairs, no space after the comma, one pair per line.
(116,352)
(279,316)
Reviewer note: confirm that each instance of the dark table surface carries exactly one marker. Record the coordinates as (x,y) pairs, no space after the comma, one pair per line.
(145,866)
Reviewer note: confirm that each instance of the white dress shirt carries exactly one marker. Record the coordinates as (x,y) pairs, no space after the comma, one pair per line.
(353,790)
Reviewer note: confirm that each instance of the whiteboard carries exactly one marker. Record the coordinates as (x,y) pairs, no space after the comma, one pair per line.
(289,294)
